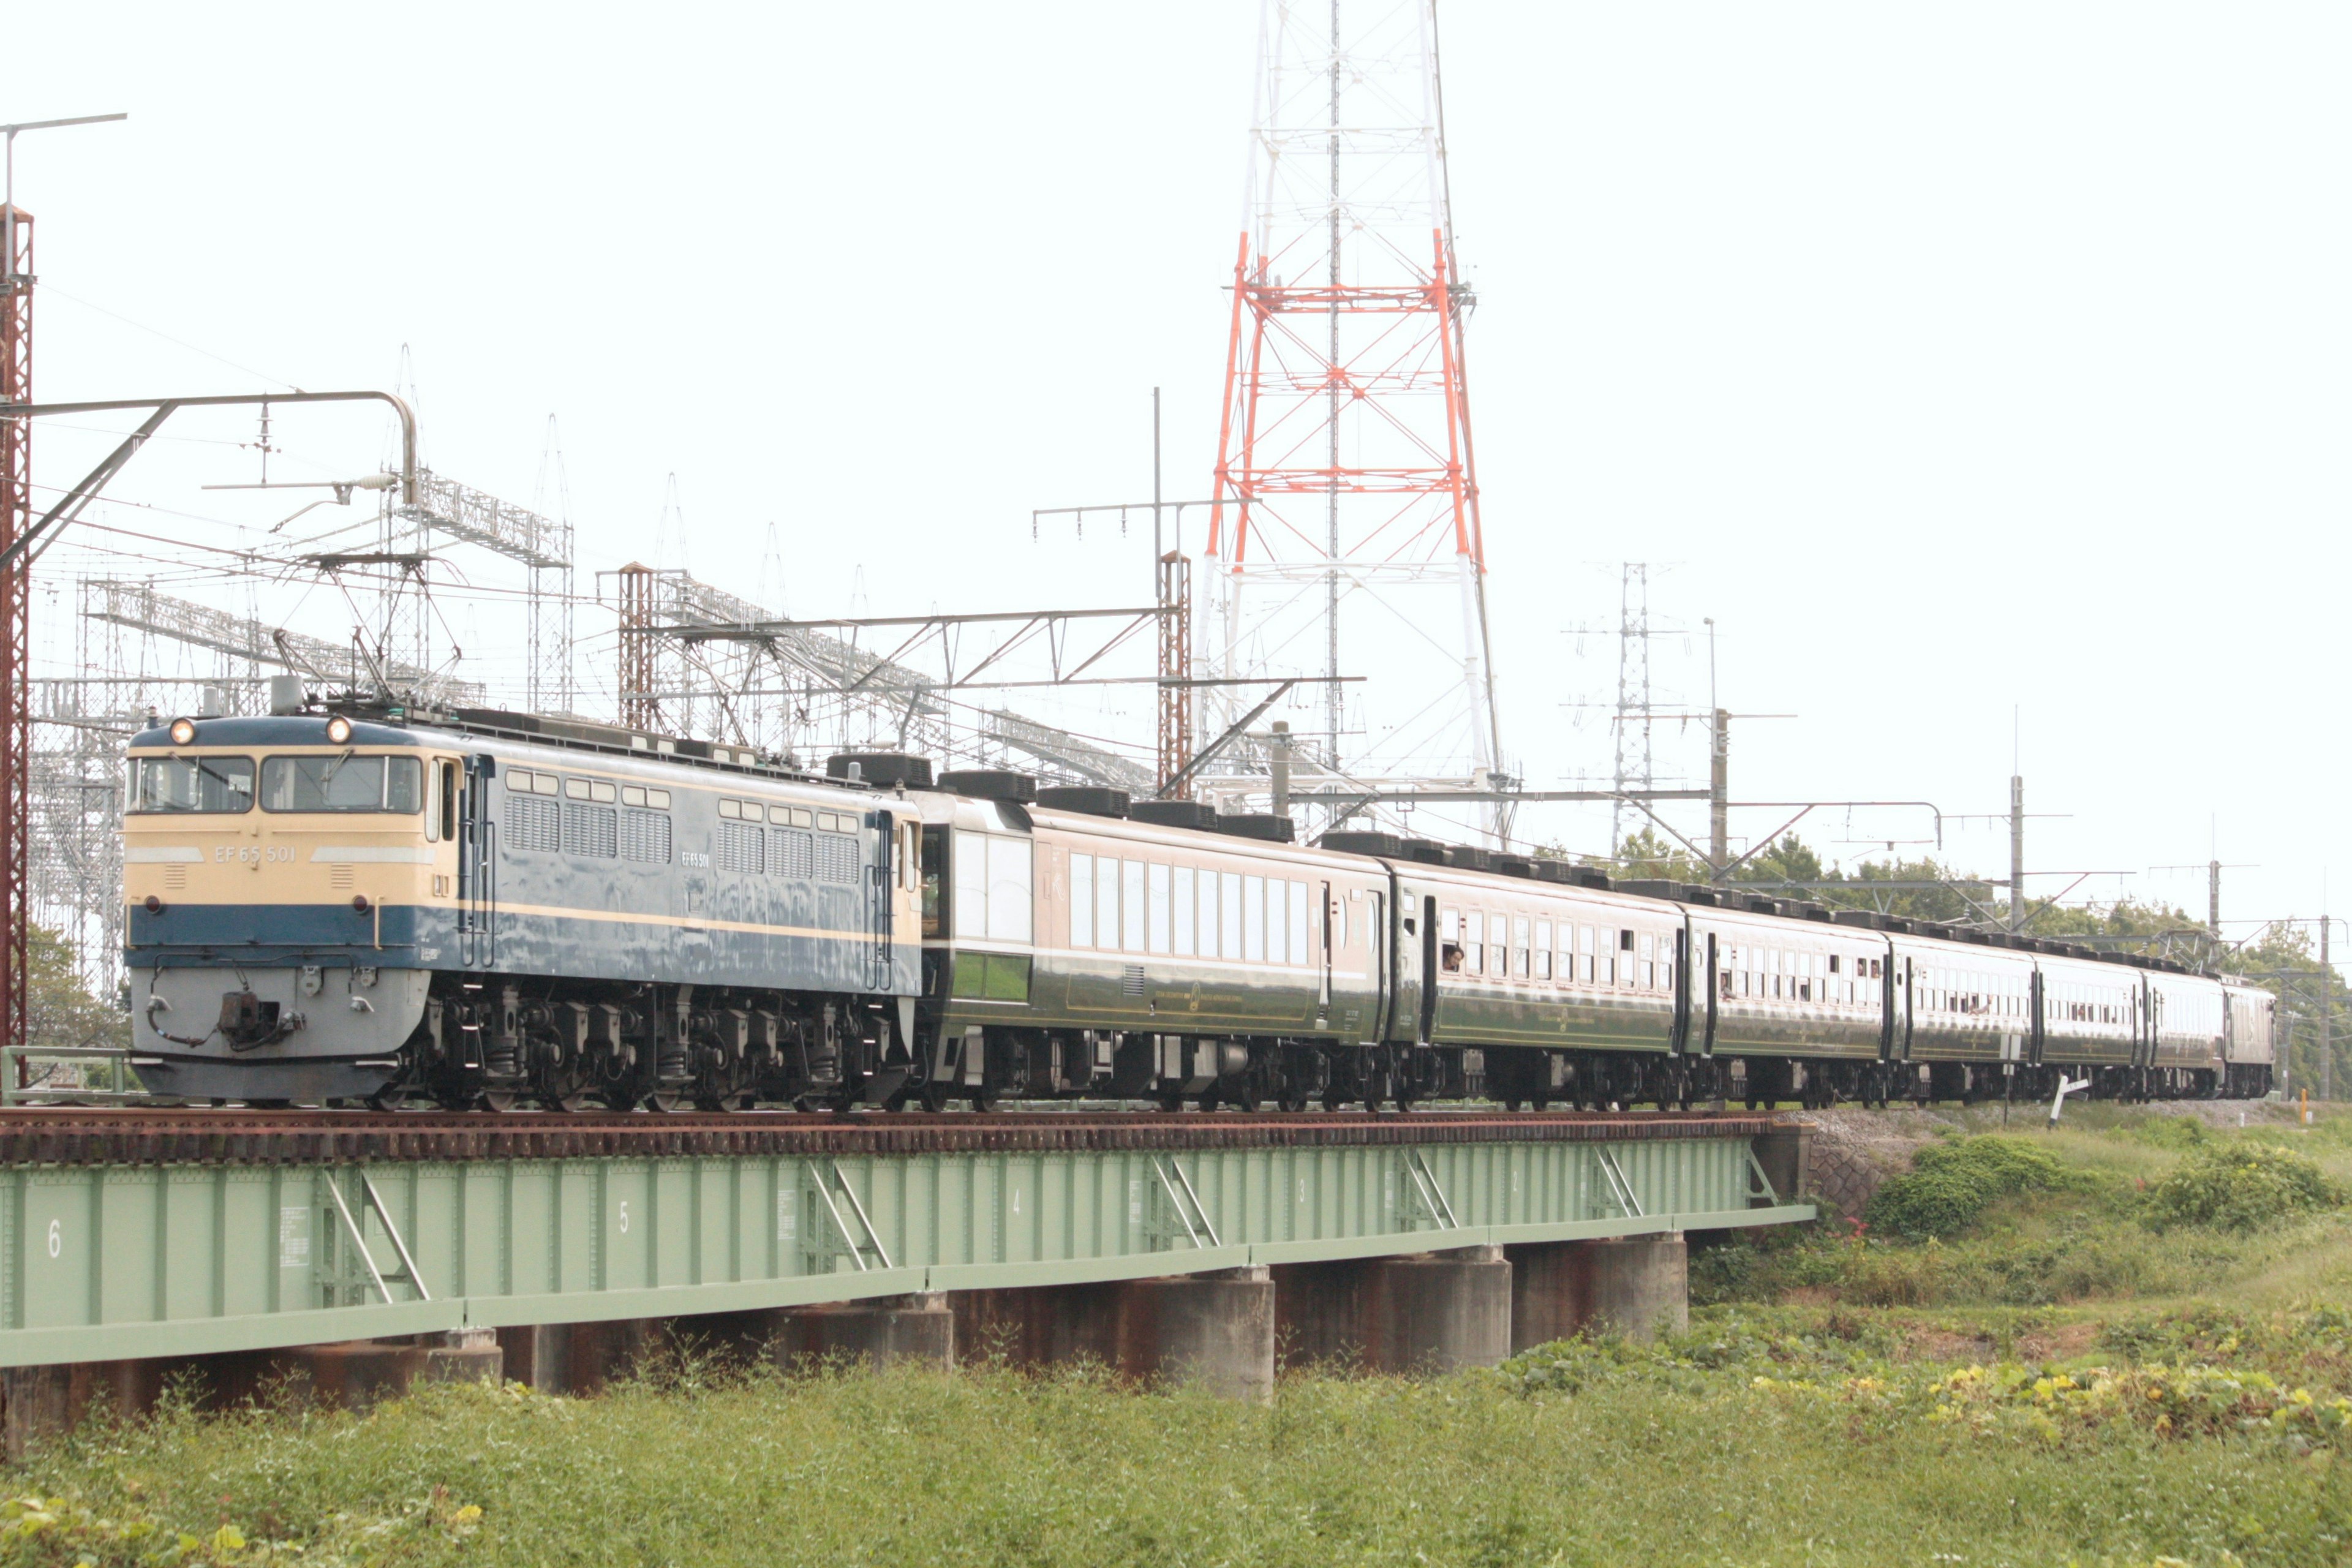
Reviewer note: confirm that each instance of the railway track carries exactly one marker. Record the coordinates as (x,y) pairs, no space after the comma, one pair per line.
(112,1135)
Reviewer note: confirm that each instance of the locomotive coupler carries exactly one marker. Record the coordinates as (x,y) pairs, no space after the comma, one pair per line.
(249,1023)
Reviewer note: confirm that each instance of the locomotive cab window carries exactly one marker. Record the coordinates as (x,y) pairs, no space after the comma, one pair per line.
(345,783)
(210,785)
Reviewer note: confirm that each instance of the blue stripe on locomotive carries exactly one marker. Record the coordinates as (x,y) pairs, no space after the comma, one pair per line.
(578,947)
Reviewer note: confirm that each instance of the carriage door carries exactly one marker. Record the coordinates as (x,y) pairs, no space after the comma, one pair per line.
(881,898)
(2033,1039)
(1682,992)
(1898,1006)
(1714,987)
(478,868)
(1401,981)
(1323,987)
(1428,955)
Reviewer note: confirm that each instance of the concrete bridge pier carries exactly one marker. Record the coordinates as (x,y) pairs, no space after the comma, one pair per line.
(1425,1312)
(1636,1285)
(1215,1329)
(577,1358)
(888,1331)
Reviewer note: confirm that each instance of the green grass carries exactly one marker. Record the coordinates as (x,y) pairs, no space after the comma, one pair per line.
(1643,1462)
(2057,1383)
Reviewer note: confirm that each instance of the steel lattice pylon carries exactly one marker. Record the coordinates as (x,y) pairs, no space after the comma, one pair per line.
(15,605)
(1345,469)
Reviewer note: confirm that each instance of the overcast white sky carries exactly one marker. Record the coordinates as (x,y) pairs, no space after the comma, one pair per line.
(1960,360)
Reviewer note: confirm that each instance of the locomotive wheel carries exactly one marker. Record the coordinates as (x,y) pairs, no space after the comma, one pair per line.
(1171,1102)
(984,1100)
(1250,1097)
(1291,1100)
(669,1101)
(1333,1099)
(1512,1102)
(934,1096)
(1209,1098)
(503,1101)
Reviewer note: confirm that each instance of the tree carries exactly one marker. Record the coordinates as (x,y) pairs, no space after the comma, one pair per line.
(62,1012)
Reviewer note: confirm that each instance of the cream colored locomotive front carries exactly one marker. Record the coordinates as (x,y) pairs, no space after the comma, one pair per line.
(314,880)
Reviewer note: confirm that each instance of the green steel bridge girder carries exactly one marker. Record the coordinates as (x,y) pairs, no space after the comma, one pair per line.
(104,1262)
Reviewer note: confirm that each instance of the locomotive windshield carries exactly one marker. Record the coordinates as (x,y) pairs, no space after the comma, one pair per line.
(347,783)
(192,784)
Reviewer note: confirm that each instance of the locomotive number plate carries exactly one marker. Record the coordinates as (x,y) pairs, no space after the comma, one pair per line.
(250,854)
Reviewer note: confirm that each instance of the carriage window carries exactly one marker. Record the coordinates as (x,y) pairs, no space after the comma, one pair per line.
(1649,971)
(1449,946)
(993,887)
(1302,934)
(1157,881)
(192,784)
(1277,921)
(1543,950)
(1008,888)
(1183,911)
(1209,897)
(346,782)
(1130,905)
(1229,926)
(1474,942)
(1584,945)
(1107,875)
(1082,900)
(1254,918)
(970,885)
(1523,964)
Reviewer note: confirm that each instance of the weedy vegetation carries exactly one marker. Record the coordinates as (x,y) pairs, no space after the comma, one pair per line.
(2128,1343)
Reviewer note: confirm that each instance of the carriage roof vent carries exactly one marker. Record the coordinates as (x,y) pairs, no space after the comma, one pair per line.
(1272,829)
(1428,851)
(1469,857)
(1511,865)
(1869,919)
(1649,888)
(1087,799)
(1173,814)
(888,770)
(1543,869)
(1697,893)
(991,783)
(1347,842)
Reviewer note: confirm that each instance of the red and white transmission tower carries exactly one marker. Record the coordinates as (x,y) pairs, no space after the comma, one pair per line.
(1345,474)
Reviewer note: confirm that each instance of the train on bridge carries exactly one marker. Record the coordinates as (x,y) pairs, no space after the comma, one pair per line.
(352,905)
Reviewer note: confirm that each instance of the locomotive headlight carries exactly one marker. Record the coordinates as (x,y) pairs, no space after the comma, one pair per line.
(184,731)
(339,730)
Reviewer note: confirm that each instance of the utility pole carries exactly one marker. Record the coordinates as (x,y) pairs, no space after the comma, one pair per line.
(1718,794)
(2326,1008)
(1281,757)
(2016,852)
